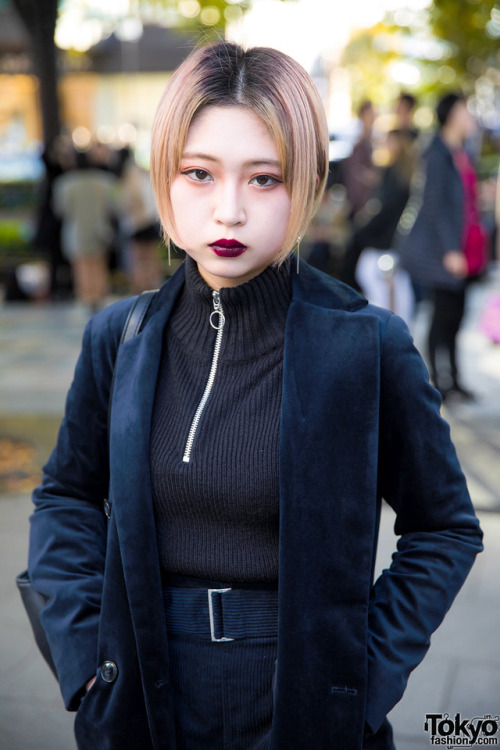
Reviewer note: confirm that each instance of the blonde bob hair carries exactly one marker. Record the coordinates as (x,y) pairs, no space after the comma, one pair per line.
(273,86)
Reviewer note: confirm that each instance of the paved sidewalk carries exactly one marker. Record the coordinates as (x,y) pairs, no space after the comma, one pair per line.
(475,427)
(38,349)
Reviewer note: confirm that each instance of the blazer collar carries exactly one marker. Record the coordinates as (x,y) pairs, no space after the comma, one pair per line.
(316,288)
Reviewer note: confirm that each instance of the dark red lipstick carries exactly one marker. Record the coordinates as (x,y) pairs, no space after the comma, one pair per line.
(228,248)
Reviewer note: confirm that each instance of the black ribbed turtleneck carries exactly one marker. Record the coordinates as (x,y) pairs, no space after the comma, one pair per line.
(217,516)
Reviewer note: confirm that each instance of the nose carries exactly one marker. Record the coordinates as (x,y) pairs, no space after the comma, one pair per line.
(229,207)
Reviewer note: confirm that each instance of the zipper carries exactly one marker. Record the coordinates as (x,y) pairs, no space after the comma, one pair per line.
(217,311)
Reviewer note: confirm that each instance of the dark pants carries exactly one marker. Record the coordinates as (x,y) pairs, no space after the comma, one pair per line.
(223,692)
(449,306)
(224,695)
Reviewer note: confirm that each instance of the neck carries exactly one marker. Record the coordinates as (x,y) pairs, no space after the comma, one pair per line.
(221,282)
(255,313)
(451,138)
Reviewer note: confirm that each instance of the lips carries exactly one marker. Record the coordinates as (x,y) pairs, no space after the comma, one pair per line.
(228,248)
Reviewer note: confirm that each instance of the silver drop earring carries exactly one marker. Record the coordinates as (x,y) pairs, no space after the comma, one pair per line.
(298,252)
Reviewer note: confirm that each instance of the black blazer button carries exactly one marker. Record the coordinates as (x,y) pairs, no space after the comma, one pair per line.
(107,509)
(109,671)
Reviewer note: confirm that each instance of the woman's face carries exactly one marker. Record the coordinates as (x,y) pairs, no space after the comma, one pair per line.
(461,121)
(230,206)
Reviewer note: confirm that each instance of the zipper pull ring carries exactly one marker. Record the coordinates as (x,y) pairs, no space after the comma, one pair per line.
(217,311)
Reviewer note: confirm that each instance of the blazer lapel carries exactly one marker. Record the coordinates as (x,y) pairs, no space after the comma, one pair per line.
(328,450)
(328,506)
(137,367)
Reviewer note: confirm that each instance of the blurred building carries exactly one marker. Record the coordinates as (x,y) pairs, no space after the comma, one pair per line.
(19,117)
(111,90)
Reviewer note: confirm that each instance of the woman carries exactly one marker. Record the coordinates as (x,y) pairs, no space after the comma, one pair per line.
(140,224)
(257,420)
(437,225)
(360,173)
(86,200)
(375,238)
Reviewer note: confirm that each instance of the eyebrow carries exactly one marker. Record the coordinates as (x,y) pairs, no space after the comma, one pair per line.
(249,163)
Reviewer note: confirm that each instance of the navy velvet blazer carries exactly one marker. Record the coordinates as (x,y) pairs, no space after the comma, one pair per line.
(359,422)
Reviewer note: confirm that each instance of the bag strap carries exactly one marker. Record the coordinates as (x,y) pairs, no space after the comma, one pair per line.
(33,603)
(132,327)
(136,316)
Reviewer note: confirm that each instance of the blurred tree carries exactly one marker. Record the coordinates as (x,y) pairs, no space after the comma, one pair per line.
(449,44)
(206,17)
(472,29)
(367,58)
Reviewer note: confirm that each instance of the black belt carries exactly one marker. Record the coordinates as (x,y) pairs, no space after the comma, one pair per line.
(222,614)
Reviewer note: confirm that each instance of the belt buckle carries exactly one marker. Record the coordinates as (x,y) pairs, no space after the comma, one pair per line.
(211,615)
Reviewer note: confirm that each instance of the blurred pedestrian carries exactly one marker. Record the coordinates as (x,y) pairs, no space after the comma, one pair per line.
(102,156)
(328,232)
(207,552)
(140,224)
(497,218)
(359,172)
(384,283)
(58,158)
(404,111)
(86,200)
(436,224)
(107,158)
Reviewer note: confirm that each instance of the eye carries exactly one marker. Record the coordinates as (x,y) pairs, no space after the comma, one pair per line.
(265,180)
(197,175)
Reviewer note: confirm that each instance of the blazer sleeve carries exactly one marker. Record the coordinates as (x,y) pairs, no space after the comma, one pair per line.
(439,534)
(68,527)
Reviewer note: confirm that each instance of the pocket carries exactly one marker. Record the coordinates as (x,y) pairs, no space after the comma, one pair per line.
(87,694)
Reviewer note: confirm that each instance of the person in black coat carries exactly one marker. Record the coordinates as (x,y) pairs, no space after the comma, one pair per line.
(432,244)
(58,158)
